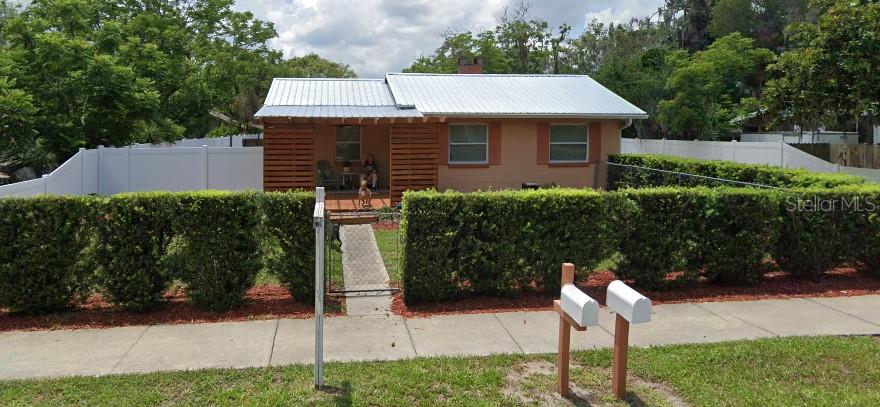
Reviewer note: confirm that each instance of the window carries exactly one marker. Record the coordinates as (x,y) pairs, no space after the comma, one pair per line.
(468,144)
(568,144)
(348,143)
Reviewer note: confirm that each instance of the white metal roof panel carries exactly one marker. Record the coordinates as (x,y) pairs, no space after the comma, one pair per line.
(328,92)
(509,95)
(336,111)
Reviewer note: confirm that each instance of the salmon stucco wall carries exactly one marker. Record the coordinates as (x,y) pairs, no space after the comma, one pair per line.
(375,139)
(519,162)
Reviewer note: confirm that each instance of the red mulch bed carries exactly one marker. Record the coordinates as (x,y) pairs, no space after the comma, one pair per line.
(262,302)
(838,283)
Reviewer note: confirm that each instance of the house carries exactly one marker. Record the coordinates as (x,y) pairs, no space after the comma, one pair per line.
(464,131)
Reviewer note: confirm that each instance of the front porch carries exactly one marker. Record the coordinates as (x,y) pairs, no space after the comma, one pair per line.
(344,201)
(305,153)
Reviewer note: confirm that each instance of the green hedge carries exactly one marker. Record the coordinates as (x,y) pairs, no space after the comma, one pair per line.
(661,234)
(723,234)
(131,246)
(290,241)
(494,243)
(824,229)
(217,247)
(866,244)
(623,177)
(739,229)
(40,269)
(132,233)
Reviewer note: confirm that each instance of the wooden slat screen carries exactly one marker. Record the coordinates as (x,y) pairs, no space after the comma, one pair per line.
(288,156)
(414,158)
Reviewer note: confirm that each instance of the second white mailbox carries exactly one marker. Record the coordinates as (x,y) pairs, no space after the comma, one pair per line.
(579,306)
(628,303)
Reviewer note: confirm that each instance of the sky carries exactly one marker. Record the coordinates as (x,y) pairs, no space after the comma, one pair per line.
(379,36)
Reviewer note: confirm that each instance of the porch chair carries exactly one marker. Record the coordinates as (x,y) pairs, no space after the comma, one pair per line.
(327,176)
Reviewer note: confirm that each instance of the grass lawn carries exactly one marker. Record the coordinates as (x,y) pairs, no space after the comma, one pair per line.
(788,371)
(388,246)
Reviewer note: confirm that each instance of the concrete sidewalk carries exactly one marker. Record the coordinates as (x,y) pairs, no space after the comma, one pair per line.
(286,341)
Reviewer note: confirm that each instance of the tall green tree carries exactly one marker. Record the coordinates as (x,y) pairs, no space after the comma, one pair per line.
(832,74)
(705,89)
(762,20)
(79,73)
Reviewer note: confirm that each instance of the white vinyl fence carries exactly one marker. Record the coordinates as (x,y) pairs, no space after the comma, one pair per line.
(107,171)
(829,137)
(769,153)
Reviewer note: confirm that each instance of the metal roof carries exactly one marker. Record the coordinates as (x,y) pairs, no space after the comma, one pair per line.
(336,111)
(328,92)
(510,95)
(415,95)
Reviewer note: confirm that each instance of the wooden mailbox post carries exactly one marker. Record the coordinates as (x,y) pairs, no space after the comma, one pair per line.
(576,310)
(631,307)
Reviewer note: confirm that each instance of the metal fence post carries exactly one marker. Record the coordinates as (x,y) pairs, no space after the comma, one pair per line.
(319,287)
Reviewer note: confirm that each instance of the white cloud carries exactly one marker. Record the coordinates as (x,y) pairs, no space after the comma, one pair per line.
(378,36)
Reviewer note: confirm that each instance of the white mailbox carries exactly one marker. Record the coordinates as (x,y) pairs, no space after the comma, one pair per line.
(579,306)
(628,303)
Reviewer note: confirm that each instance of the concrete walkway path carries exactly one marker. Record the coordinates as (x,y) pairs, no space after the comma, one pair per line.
(364,269)
(286,341)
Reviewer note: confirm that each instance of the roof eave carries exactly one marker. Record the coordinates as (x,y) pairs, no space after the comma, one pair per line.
(615,116)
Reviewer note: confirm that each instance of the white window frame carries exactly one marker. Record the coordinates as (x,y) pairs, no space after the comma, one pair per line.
(551,143)
(359,143)
(449,155)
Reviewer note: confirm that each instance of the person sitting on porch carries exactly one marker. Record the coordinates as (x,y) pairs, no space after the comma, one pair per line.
(371,170)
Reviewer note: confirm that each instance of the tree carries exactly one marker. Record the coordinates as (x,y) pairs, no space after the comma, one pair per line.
(629,59)
(691,20)
(706,88)
(79,73)
(763,20)
(832,74)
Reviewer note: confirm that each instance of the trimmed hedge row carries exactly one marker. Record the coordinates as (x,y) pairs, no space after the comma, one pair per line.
(623,177)
(131,246)
(723,234)
(494,243)
(40,268)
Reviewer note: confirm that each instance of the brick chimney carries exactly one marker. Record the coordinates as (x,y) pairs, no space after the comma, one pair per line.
(470,65)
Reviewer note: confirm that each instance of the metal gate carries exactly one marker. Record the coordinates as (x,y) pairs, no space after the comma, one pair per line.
(362,252)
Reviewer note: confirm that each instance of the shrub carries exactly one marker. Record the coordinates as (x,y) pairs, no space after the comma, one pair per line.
(494,243)
(866,245)
(289,244)
(132,233)
(622,177)
(43,237)
(821,229)
(739,227)
(217,246)
(661,235)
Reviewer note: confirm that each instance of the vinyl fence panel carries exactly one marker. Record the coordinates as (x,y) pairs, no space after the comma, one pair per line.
(108,171)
